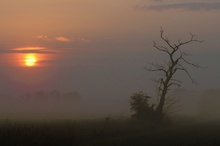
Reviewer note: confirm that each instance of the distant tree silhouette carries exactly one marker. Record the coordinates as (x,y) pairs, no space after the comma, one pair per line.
(70,97)
(141,107)
(55,96)
(175,63)
(39,95)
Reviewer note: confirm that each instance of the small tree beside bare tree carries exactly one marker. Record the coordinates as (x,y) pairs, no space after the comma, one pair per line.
(140,106)
(176,63)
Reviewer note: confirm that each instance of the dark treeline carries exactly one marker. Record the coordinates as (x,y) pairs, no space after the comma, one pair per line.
(38,103)
(51,96)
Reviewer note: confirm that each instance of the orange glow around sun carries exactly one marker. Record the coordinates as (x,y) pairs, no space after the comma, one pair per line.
(30,60)
(32,57)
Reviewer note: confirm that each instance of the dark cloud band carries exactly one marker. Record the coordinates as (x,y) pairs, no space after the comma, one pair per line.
(193,6)
(28,51)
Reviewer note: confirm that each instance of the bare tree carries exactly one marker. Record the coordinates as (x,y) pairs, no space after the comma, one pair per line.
(176,63)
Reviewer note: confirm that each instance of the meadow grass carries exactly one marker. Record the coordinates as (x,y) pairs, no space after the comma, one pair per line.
(106,132)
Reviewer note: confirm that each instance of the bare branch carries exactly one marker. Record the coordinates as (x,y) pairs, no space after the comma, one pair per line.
(192,39)
(176,84)
(195,39)
(165,39)
(161,48)
(155,67)
(185,70)
(187,62)
(175,80)
(155,70)
(186,54)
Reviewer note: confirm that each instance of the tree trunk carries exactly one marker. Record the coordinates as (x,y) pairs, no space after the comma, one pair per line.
(160,107)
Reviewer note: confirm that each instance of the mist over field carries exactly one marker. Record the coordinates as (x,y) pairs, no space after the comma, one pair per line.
(204,105)
(56,105)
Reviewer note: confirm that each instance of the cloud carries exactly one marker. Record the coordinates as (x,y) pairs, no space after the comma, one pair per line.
(63,39)
(85,40)
(42,37)
(39,50)
(59,38)
(192,6)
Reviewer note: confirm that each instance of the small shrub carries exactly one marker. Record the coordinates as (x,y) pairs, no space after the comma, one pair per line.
(140,106)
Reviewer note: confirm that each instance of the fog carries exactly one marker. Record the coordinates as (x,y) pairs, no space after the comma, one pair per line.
(54,104)
(204,105)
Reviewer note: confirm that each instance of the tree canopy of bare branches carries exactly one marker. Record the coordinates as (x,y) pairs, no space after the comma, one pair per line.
(176,63)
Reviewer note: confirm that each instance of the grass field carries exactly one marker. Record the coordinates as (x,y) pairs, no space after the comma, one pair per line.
(107,132)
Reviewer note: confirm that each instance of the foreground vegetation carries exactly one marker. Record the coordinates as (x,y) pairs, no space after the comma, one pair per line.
(110,132)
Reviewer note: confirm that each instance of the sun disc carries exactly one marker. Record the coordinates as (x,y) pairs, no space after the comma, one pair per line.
(30,60)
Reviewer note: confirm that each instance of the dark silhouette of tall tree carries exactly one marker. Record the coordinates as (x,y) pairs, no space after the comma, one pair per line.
(176,62)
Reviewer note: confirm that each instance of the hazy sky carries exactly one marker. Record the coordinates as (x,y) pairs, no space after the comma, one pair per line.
(99,47)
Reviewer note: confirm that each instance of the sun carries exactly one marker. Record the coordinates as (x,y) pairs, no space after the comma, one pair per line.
(30,60)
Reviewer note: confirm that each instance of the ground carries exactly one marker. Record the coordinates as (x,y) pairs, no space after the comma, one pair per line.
(111,132)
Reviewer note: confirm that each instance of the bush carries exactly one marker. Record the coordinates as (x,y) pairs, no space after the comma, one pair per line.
(140,106)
